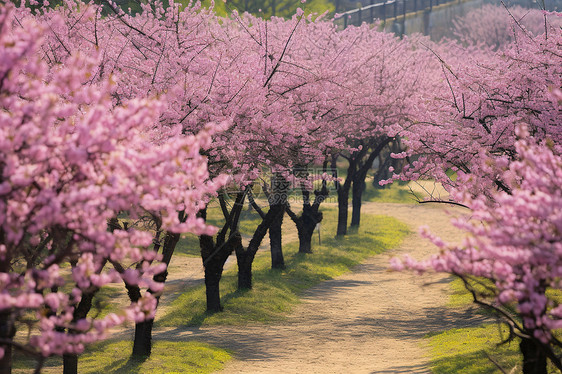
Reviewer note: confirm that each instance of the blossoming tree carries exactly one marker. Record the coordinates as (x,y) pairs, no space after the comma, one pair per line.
(511,259)
(70,162)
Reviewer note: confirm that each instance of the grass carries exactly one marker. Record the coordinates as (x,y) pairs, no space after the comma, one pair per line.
(188,245)
(471,351)
(459,297)
(397,192)
(104,301)
(275,292)
(475,349)
(167,357)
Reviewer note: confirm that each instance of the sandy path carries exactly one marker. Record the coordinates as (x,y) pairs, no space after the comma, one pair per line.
(367,321)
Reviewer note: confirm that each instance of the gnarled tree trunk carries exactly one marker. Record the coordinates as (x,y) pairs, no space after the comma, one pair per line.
(534,358)
(310,216)
(245,257)
(277,199)
(276,244)
(356,201)
(215,254)
(363,165)
(142,344)
(7,332)
(343,194)
(70,361)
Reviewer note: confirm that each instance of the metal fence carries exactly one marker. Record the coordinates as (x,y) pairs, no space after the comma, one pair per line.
(389,9)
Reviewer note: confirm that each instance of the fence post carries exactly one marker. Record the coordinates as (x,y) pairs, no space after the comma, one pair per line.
(395,12)
(371,11)
(345,21)
(359,16)
(384,11)
(403,28)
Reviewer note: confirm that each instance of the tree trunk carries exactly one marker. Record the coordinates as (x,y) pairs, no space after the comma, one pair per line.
(70,364)
(343,200)
(213,275)
(357,194)
(534,358)
(70,361)
(275,241)
(245,257)
(343,192)
(309,218)
(214,258)
(214,255)
(7,331)
(244,272)
(305,241)
(142,346)
(277,201)
(362,169)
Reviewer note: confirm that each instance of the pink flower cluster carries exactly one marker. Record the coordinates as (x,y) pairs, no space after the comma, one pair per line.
(516,243)
(470,115)
(70,160)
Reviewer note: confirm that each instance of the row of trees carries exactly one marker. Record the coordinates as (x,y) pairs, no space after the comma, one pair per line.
(113,117)
(499,131)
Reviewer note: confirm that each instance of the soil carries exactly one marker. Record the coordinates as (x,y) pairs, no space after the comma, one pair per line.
(368,321)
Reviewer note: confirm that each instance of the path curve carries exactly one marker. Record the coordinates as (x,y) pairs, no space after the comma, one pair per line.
(367,321)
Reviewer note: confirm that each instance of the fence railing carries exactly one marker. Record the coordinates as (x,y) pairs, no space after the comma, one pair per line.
(389,9)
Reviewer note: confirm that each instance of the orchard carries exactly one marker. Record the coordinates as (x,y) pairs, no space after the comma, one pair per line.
(124,130)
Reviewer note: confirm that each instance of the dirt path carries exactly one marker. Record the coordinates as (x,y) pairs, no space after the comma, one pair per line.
(367,321)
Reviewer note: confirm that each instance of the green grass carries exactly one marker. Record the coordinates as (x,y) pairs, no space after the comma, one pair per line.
(113,357)
(397,192)
(471,351)
(249,221)
(188,245)
(166,357)
(104,301)
(459,297)
(275,292)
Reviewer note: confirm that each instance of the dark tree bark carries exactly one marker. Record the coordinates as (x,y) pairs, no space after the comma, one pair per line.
(385,162)
(215,254)
(310,216)
(534,358)
(343,202)
(245,257)
(142,344)
(70,364)
(277,199)
(356,201)
(70,361)
(7,332)
(343,193)
(142,341)
(213,274)
(245,262)
(216,257)
(275,242)
(363,165)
